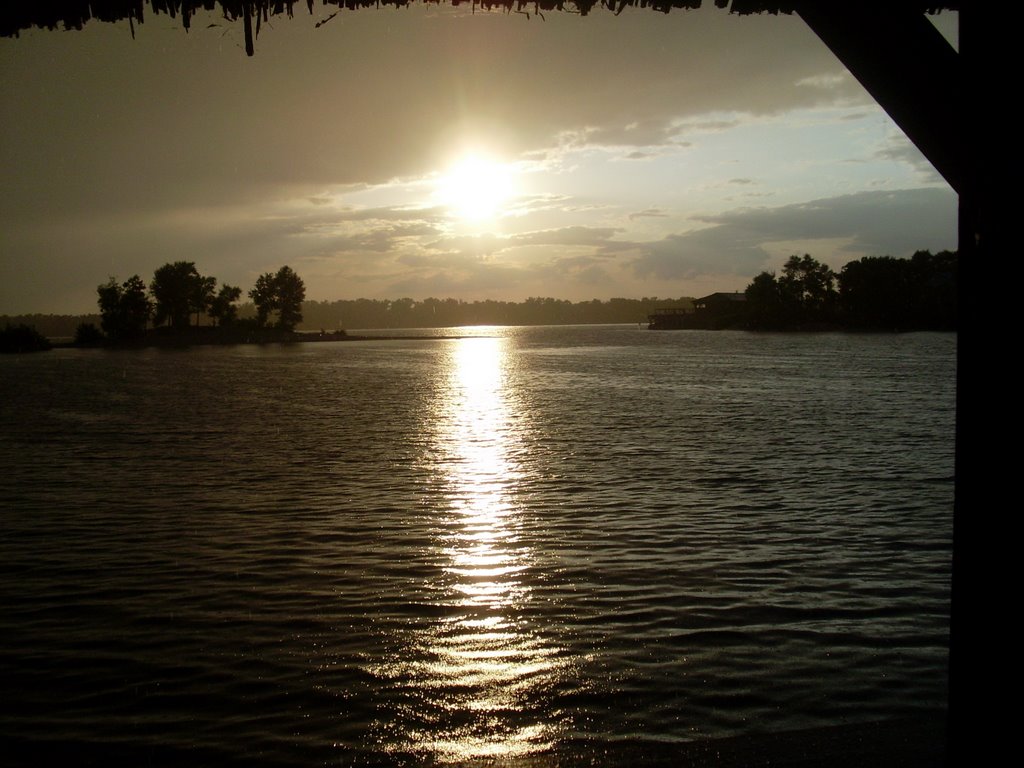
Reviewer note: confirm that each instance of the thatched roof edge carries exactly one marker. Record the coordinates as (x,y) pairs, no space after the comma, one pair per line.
(18,15)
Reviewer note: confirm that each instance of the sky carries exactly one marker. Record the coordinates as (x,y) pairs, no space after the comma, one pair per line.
(430,151)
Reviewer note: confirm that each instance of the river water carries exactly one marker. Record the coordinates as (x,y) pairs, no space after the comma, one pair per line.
(519,543)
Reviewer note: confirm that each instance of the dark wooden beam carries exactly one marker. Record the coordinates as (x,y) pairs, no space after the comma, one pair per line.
(906,65)
(931,92)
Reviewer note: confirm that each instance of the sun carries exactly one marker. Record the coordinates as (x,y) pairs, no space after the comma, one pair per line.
(476,187)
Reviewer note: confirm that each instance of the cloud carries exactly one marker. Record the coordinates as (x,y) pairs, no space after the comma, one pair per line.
(434,214)
(566,236)
(651,133)
(127,116)
(527,204)
(712,250)
(899,148)
(892,223)
(446,274)
(473,246)
(585,270)
(119,154)
(479,279)
(648,213)
(484,245)
(881,222)
(826,80)
(489,266)
(380,240)
(703,125)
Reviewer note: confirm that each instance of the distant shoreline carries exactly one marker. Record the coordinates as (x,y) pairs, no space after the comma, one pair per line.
(211,336)
(182,341)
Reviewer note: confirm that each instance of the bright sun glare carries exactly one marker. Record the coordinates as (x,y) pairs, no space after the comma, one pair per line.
(476,187)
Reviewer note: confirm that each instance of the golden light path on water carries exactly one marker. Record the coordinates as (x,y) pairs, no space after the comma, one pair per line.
(487,668)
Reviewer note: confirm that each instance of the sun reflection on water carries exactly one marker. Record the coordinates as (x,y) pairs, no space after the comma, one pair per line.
(483,668)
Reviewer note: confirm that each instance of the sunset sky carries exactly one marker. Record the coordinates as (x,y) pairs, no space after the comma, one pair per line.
(429,151)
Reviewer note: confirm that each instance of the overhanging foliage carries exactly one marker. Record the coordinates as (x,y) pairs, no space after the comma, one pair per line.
(17,15)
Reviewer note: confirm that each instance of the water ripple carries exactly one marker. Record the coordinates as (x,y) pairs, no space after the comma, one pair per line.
(541,542)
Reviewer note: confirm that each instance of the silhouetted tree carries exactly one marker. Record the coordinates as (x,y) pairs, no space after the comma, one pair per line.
(400,313)
(900,294)
(764,301)
(935,278)
(222,306)
(88,335)
(110,304)
(807,290)
(177,288)
(291,292)
(136,308)
(264,296)
(873,292)
(124,309)
(22,338)
(283,293)
(202,295)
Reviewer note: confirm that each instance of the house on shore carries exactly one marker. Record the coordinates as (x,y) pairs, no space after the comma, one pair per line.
(718,304)
(716,310)
(670,318)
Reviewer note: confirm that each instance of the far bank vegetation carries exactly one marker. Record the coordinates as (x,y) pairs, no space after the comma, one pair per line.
(875,293)
(173,306)
(181,305)
(872,293)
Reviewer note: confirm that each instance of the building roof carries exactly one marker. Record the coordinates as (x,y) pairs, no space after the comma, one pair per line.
(721,296)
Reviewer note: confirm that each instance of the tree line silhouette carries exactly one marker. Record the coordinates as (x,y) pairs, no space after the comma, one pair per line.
(409,313)
(440,313)
(871,293)
(20,337)
(130,311)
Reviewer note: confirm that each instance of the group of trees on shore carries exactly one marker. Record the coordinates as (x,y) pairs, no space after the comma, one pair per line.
(409,313)
(21,337)
(872,293)
(178,292)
